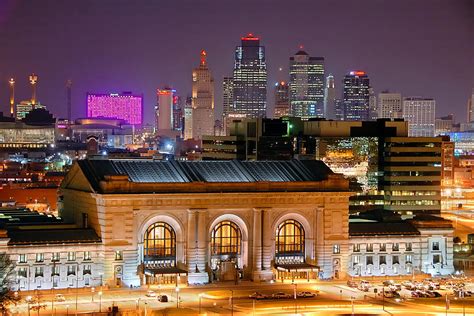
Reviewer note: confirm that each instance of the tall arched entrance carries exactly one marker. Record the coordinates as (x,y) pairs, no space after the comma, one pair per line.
(290,260)
(226,251)
(159,254)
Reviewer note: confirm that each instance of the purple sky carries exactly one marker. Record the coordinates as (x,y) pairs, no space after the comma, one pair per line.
(423,48)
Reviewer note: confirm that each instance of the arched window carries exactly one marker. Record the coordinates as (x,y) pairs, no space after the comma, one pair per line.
(290,239)
(159,242)
(226,239)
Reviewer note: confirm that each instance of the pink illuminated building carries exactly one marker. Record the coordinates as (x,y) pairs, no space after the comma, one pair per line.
(123,106)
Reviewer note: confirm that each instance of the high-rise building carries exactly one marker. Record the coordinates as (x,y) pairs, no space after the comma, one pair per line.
(250,78)
(203,100)
(177,113)
(188,118)
(372,105)
(306,85)
(330,98)
(164,109)
(125,106)
(282,103)
(389,105)
(444,125)
(339,110)
(470,107)
(356,96)
(34,82)
(227,95)
(420,114)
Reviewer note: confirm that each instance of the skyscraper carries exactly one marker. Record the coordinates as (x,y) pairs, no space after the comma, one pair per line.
(11,82)
(420,114)
(470,107)
(356,96)
(372,105)
(389,105)
(306,85)
(330,98)
(282,103)
(203,100)
(227,95)
(188,118)
(164,110)
(250,78)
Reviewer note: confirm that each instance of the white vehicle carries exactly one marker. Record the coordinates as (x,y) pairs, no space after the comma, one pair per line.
(151,294)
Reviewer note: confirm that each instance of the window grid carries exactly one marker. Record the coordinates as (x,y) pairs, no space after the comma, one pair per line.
(226,239)
(159,242)
(290,239)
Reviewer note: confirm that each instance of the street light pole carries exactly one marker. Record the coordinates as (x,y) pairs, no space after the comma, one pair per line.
(352,304)
(200,297)
(294,297)
(383,297)
(232,303)
(177,297)
(100,301)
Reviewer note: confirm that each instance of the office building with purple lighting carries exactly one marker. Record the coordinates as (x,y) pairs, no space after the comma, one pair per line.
(125,106)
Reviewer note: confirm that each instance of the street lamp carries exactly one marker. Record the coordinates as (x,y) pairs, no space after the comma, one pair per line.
(352,304)
(177,296)
(67,309)
(200,297)
(232,302)
(100,301)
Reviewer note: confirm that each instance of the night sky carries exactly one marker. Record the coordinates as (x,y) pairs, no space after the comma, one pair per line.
(418,48)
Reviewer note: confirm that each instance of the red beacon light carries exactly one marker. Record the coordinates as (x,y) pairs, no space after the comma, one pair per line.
(358,73)
(250,37)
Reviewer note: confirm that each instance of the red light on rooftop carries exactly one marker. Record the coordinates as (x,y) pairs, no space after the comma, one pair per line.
(301,46)
(164,92)
(358,73)
(250,37)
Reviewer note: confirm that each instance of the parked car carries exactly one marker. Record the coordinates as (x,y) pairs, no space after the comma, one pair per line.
(352,284)
(151,294)
(162,298)
(59,298)
(257,296)
(281,295)
(305,294)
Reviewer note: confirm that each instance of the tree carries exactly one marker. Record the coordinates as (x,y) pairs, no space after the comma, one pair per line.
(7,276)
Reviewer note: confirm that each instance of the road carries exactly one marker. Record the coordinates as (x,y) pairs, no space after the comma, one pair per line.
(228,299)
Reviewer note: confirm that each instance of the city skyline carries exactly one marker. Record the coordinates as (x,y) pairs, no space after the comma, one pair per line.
(94,63)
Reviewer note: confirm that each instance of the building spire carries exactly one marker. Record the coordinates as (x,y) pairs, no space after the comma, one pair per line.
(203,58)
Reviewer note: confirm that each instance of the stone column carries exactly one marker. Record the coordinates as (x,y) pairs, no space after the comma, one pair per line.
(257,244)
(266,240)
(197,247)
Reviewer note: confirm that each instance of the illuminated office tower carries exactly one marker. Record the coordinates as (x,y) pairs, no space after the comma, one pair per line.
(250,78)
(227,95)
(330,98)
(356,96)
(282,102)
(11,82)
(124,106)
(34,82)
(164,109)
(306,85)
(470,107)
(372,105)
(389,105)
(203,100)
(188,118)
(420,115)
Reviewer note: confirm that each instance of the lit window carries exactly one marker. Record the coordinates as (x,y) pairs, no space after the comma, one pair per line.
(370,247)
(356,259)
(408,246)
(290,239)
(383,247)
(87,256)
(435,245)
(71,270)
(382,260)
(118,255)
(23,272)
(56,257)
(71,256)
(436,259)
(395,247)
(39,257)
(336,249)
(160,243)
(38,272)
(56,270)
(356,248)
(409,258)
(22,258)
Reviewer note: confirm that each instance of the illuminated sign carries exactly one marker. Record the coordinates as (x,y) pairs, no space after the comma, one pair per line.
(125,107)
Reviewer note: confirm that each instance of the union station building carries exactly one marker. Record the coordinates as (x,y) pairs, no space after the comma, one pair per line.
(132,222)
